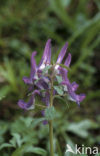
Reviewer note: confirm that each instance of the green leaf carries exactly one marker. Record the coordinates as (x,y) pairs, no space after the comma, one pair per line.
(65,3)
(59,78)
(5,145)
(3,127)
(81,128)
(4,91)
(36,150)
(45,70)
(17,138)
(50,113)
(27,148)
(59,89)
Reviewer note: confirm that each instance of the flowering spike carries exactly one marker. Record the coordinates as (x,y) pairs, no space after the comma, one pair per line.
(41,81)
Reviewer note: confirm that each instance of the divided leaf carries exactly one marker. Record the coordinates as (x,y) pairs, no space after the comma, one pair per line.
(50,113)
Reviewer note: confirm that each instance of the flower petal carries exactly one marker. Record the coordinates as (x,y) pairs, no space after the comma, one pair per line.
(30,104)
(81,97)
(63,73)
(26,105)
(62,53)
(46,58)
(33,70)
(68,60)
(73,96)
(74,86)
(33,64)
(41,84)
(27,80)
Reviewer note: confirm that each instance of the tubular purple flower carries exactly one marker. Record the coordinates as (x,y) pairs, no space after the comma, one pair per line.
(30,104)
(68,87)
(33,65)
(26,105)
(74,86)
(71,88)
(73,96)
(33,70)
(46,58)
(63,73)
(62,53)
(68,60)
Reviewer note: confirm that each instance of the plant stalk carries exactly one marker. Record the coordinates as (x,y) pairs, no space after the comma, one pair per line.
(51,137)
(51,121)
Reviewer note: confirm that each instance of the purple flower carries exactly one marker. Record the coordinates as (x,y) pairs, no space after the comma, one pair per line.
(30,104)
(70,88)
(61,55)
(46,58)
(37,81)
(33,71)
(36,74)
(36,71)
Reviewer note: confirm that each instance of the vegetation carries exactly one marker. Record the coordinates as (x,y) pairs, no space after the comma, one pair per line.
(25,26)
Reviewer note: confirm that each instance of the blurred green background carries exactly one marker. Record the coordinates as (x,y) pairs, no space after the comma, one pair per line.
(25,26)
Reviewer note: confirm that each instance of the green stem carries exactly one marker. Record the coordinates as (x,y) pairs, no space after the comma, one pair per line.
(51,121)
(51,137)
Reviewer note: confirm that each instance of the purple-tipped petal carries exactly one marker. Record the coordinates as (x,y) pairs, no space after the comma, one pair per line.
(36,92)
(74,86)
(21,104)
(33,71)
(27,80)
(71,92)
(33,65)
(26,105)
(46,58)
(81,97)
(30,104)
(42,84)
(70,88)
(73,96)
(62,53)
(63,73)
(68,60)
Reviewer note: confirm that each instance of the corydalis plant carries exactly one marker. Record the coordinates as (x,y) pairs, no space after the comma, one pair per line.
(49,80)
